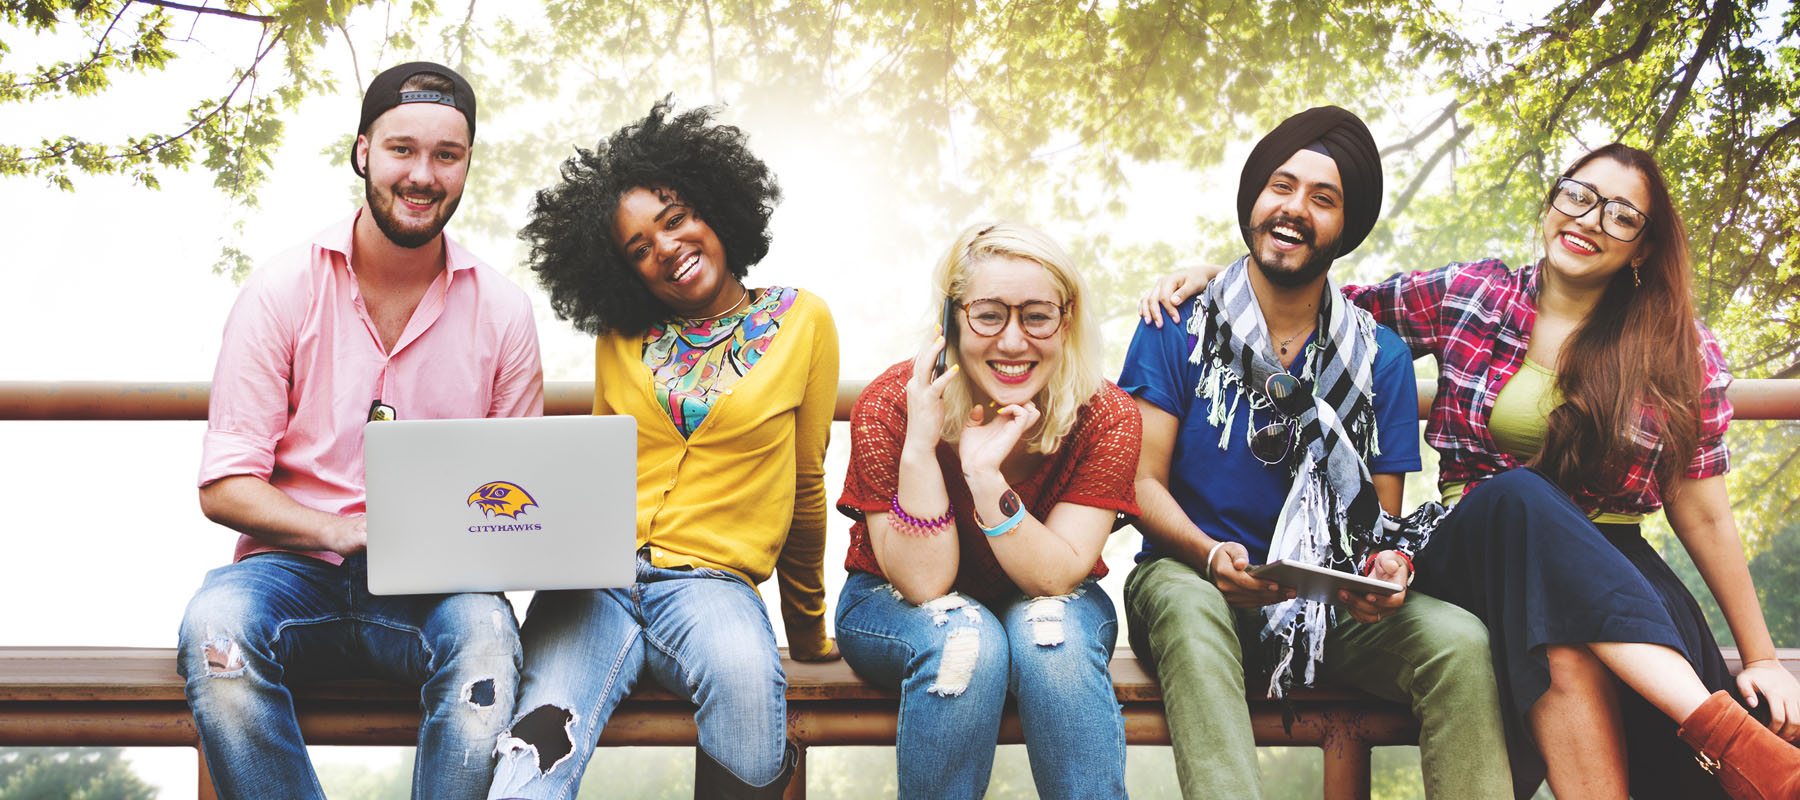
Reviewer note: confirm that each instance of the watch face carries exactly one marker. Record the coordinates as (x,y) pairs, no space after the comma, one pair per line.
(1009,503)
(382,412)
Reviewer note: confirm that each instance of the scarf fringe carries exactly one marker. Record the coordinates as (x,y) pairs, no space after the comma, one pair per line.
(1338,434)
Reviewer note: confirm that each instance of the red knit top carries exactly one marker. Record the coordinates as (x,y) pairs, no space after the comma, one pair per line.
(1095,466)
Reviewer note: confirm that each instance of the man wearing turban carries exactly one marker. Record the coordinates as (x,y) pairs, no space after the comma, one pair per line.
(1279,423)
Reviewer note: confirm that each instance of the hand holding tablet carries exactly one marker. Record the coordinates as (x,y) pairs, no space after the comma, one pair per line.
(1320,583)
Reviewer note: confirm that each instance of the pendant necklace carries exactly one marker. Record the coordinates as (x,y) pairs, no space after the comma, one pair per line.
(1283,346)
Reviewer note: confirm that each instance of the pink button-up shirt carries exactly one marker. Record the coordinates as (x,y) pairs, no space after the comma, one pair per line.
(301,363)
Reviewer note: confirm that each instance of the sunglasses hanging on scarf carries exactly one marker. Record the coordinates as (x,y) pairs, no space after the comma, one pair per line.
(1274,442)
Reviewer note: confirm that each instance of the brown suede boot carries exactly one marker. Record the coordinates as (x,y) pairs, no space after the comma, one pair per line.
(1751,762)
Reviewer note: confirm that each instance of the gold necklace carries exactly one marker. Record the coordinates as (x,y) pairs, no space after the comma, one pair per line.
(742,299)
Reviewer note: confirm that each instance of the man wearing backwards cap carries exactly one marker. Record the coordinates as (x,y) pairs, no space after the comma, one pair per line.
(378,316)
(1279,423)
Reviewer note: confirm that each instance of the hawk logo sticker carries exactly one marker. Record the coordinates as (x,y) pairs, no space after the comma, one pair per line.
(501,499)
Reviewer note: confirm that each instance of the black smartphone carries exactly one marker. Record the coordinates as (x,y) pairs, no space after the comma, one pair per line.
(950,328)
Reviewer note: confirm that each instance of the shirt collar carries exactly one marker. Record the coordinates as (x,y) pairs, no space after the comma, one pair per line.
(1528,280)
(338,238)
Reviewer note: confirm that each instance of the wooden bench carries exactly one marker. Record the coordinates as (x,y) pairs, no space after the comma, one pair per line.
(132,697)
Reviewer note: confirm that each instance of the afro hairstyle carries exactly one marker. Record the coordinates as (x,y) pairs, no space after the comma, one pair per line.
(570,230)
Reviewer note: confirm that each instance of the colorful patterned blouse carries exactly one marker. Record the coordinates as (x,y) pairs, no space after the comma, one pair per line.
(693,363)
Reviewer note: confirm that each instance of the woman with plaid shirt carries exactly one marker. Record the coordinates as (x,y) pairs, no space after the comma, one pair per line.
(1567,410)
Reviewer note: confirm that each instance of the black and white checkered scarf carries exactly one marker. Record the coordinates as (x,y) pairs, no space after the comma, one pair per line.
(1331,514)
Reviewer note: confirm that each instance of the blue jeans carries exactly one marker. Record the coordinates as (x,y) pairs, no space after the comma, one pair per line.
(278,618)
(953,661)
(701,633)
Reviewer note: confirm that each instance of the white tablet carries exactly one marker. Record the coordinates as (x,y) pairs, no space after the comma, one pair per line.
(1320,583)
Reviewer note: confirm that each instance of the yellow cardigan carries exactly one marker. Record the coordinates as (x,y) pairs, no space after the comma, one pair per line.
(746,492)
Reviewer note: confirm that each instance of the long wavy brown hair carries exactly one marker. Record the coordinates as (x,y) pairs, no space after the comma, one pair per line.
(1639,347)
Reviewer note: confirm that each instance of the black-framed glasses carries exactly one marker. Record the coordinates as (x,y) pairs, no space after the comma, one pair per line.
(1272,443)
(1040,319)
(1620,220)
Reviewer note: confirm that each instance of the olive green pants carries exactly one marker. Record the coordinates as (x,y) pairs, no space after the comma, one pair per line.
(1431,655)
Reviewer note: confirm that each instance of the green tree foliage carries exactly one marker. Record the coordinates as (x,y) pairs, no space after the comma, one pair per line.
(1047,109)
(231,130)
(71,773)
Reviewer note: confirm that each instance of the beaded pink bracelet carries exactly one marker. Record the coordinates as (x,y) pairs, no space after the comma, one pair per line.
(913,526)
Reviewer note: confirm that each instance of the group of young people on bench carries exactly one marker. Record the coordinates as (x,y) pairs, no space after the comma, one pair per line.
(1270,417)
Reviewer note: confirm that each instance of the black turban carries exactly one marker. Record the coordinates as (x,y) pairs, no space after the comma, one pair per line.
(1346,139)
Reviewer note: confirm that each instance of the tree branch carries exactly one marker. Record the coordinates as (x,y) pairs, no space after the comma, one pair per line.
(828,43)
(1628,54)
(1514,166)
(462,37)
(1787,129)
(1763,486)
(355,65)
(165,141)
(1448,114)
(1703,52)
(1406,197)
(100,51)
(1588,7)
(223,12)
(712,54)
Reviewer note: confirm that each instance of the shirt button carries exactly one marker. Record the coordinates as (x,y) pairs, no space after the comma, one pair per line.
(656,552)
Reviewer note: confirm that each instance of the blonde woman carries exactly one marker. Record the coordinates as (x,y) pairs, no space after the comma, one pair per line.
(982,497)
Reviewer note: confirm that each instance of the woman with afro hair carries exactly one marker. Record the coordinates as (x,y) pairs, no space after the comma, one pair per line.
(645,243)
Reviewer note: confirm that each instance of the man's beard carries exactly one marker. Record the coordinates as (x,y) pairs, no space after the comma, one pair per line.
(1308,271)
(410,239)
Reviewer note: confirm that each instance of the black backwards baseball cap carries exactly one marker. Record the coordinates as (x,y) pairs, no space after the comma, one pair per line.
(384,94)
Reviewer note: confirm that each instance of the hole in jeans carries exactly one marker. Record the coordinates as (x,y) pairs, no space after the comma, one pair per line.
(481,693)
(547,729)
(223,655)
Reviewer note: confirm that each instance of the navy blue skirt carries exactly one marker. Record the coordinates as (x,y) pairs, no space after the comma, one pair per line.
(1519,554)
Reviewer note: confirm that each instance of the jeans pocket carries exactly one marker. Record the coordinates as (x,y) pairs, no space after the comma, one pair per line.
(709,572)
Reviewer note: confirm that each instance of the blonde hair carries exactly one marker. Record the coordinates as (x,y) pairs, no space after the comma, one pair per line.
(1077,377)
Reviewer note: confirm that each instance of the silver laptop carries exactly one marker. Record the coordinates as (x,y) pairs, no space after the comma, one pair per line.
(485,505)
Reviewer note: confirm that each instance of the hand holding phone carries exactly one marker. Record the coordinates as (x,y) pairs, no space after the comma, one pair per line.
(949,326)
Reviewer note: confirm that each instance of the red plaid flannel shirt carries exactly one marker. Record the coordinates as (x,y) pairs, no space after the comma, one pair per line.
(1476,318)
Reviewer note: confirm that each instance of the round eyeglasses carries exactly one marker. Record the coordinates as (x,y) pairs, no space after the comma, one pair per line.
(1040,319)
(1272,443)
(1620,220)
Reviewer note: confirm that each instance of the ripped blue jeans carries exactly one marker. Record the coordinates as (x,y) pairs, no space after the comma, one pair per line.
(703,634)
(274,619)
(954,661)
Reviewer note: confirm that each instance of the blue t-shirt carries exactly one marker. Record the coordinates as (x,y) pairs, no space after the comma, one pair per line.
(1228,493)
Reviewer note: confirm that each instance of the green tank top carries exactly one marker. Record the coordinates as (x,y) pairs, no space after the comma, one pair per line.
(1521,415)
